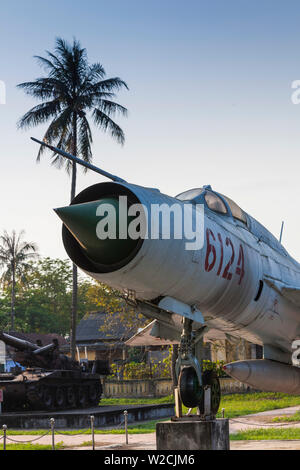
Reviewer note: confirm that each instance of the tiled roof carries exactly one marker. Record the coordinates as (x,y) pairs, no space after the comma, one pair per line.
(89,329)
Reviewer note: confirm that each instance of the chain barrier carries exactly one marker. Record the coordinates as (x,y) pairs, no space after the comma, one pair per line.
(120,425)
(87,431)
(27,442)
(53,432)
(123,423)
(249,423)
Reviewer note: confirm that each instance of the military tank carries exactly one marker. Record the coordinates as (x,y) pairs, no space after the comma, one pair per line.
(50,380)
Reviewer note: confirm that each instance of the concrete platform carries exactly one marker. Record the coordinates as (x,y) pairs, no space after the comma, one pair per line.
(186,434)
(80,419)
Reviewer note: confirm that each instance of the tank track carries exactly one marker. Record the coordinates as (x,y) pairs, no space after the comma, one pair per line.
(62,397)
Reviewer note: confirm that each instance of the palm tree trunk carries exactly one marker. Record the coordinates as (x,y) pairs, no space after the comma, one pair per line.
(13,297)
(75,271)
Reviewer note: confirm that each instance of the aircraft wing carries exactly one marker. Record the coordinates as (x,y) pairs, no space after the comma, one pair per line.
(289,291)
(158,334)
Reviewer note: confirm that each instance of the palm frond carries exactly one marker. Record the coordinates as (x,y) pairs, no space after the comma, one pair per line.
(45,88)
(108,125)
(85,139)
(14,254)
(110,84)
(72,90)
(111,108)
(40,114)
(57,130)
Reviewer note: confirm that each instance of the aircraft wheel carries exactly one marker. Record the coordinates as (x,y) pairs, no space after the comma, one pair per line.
(210,378)
(191,393)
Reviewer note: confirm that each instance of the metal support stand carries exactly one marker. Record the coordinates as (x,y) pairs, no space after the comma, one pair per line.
(93,430)
(4,427)
(188,344)
(178,403)
(126,426)
(52,424)
(207,403)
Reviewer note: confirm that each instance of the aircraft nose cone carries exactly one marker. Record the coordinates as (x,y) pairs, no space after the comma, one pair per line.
(82,220)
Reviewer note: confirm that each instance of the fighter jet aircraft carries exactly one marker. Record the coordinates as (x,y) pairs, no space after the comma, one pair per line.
(240,280)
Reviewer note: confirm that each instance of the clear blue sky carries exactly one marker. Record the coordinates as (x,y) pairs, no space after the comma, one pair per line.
(209,101)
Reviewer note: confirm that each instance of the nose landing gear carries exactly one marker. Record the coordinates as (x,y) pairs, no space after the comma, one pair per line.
(197,389)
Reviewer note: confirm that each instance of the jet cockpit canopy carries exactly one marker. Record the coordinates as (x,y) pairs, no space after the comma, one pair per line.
(214,201)
(221,204)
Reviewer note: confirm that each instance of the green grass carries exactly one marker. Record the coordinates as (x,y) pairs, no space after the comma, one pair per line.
(31,447)
(235,404)
(287,419)
(267,434)
(86,444)
(249,403)
(136,401)
(41,432)
(144,428)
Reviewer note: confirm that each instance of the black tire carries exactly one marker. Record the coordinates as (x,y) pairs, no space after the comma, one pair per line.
(210,378)
(191,393)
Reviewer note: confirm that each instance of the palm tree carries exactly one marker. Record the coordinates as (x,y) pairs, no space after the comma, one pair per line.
(14,256)
(72,90)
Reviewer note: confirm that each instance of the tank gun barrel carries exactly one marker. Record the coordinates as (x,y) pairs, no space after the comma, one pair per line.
(44,349)
(19,344)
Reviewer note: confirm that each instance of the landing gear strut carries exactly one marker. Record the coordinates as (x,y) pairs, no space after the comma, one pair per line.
(197,389)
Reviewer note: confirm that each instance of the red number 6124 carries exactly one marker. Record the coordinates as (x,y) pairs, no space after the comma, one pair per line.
(211,257)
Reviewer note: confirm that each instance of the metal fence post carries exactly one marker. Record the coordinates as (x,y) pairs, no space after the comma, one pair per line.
(52,423)
(223,413)
(4,427)
(93,431)
(126,425)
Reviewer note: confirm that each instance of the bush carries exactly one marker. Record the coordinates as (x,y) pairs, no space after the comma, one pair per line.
(140,371)
(216,366)
(159,370)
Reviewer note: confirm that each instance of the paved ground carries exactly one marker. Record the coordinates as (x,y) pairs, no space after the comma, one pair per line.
(103,441)
(147,441)
(264,419)
(265,445)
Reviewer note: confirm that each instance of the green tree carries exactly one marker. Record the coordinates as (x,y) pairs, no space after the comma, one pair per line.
(14,257)
(117,310)
(43,301)
(73,90)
